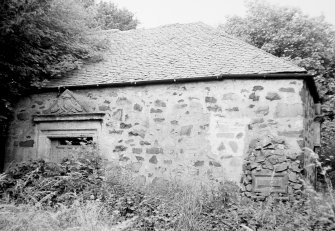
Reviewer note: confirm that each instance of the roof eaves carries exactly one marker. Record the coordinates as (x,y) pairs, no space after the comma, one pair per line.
(287,75)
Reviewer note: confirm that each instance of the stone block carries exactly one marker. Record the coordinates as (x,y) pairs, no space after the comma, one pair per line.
(263,110)
(137,150)
(260,158)
(144,142)
(257,88)
(226,156)
(295,167)
(180,106)
(117,115)
(214,163)
(287,89)
(293,177)
(124,158)
(232,109)
(129,141)
(39,102)
(167,162)
(119,132)
(27,143)
(137,132)
(159,120)
(199,163)
(186,130)
(254,165)
(23,116)
(221,147)
(125,126)
(153,160)
(214,108)
(248,187)
(272,96)
(254,97)
(210,99)
(281,167)
(297,186)
(154,150)
(160,103)
(138,107)
(267,165)
(153,110)
(239,135)
(104,108)
(257,121)
(122,101)
(273,159)
(139,158)
(119,148)
(281,159)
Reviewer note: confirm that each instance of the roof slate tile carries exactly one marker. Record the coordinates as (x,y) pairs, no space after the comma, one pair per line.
(174,51)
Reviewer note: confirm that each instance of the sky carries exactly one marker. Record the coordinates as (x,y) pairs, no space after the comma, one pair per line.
(153,13)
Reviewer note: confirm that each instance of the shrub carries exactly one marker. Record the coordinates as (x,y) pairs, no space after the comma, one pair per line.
(48,183)
(81,194)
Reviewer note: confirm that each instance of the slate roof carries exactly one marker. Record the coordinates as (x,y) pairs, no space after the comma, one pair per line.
(175,51)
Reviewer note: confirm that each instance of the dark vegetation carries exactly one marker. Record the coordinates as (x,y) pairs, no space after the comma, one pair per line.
(309,42)
(81,194)
(45,39)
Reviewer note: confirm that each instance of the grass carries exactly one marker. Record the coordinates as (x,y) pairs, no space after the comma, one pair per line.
(82,195)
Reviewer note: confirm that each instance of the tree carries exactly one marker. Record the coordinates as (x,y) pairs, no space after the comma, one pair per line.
(108,16)
(308,41)
(44,39)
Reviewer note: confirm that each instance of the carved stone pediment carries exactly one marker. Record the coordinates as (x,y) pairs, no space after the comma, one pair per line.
(66,103)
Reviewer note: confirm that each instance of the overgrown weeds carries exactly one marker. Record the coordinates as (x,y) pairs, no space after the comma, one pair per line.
(81,194)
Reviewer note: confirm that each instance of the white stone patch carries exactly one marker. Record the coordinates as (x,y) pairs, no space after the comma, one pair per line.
(225,130)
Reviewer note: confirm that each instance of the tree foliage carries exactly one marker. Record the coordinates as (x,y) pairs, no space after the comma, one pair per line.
(308,41)
(108,16)
(289,33)
(43,39)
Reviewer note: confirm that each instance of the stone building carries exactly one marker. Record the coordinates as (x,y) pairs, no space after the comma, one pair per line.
(185,101)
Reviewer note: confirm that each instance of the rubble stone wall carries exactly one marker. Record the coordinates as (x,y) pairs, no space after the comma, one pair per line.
(194,131)
(271,159)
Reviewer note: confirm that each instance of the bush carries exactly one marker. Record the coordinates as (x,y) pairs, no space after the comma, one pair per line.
(80,194)
(49,183)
